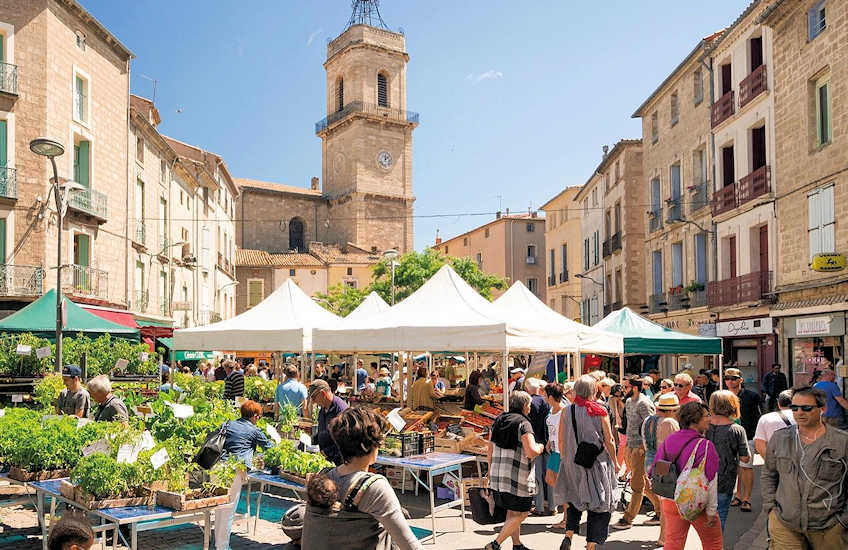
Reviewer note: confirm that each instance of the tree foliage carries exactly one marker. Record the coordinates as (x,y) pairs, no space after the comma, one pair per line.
(411,272)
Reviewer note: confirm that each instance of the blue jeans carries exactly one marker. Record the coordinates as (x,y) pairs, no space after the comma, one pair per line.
(723,507)
(544,492)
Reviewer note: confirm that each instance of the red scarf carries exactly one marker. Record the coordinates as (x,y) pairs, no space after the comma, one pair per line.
(593,408)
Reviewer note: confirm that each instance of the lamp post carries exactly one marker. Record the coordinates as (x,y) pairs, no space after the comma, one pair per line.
(51,149)
(391,254)
(603,289)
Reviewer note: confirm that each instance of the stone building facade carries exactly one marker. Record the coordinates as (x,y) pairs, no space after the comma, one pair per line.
(590,201)
(811,188)
(64,76)
(511,246)
(677,168)
(563,245)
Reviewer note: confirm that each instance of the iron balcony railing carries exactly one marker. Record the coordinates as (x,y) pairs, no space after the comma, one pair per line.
(658,303)
(700,196)
(722,109)
(354,107)
(698,298)
(21,280)
(9,78)
(81,280)
(89,201)
(8,182)
(615,241)
(207,316)
(755,184)
(752,287)
(140,232)
(551,280)
(141,299)
(753,85)
(655,219)
(675,210)
(563,275)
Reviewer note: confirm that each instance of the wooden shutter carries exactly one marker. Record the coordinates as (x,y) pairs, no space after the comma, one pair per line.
(658,271)
(83,164)
(4,144)
(2,241)
(814,223)
(676,264)
(701,258)
(81,250)
(828,237)
(655,194)
(254,292)
(675,182)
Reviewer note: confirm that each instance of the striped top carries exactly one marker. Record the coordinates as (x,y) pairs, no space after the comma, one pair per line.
(234,385)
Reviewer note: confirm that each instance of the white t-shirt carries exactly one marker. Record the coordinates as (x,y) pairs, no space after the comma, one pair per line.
(771,422)
(553,430)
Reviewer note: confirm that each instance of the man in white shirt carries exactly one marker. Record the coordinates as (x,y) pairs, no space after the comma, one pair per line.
(773,421)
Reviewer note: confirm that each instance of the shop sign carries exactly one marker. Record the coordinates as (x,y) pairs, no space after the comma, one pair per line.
(812,326)
(744,327)
(193,355)
(828,262)
(707,330)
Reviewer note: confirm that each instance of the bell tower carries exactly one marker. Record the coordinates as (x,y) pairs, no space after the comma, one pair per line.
(366,137)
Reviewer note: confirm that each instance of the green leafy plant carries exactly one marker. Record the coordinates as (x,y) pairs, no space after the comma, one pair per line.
(285,457)
(288,418)
(102,353)
(12,364)
(47,390)
(260,390)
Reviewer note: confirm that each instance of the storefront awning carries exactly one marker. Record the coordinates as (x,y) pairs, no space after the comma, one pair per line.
(167,342)
(193,355)
(151,323)
(120,317)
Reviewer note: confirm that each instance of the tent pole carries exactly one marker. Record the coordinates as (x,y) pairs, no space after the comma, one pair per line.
(312,367)
(408,379)
(578,367)
(466,369)
(505,369)
(720,371)
(355,367)
(556,368)
(620,367)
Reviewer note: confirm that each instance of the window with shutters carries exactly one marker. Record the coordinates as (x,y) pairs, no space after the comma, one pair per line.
(595,247)
(675,109)
(816,20)
(479,260)
(139,149)
(657,269)
(698,85)
(823,112)
(255,291)
(533,285)
(349,271)
(701,258)
(2,241)
(531,227)
(586,254)
(618,283)
(81,97)
(339,94)
(821,224)
(382,90)
(655,127)
(564,261)
(292,272)
(677,264)
(82,163)
(552,267)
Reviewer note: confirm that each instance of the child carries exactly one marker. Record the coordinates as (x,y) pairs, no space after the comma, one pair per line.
(72,532)
(321,492)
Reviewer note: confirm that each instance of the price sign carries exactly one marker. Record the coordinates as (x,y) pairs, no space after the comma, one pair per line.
(101,446)
(395,420)
(159,458)
(83,421)
(146,442)
(121,364)
(18,398)
(127,454)
(2,412)
(51,417)
(182,411)
(41,353)
(23,349)
(143,356)
(273,433)
(305,439)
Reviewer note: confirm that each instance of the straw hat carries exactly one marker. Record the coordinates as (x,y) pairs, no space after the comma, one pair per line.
(668,402)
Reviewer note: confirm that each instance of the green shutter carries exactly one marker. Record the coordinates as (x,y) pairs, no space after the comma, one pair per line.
(2,240)
(3,143)
(2,51)
(82,170)
(81,252)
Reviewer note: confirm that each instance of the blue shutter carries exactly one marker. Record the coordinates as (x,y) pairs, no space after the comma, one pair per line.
(676,264)
(658,269)
(701,258)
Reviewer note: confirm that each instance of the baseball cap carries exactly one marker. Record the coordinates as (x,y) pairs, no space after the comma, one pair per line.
(668,402)
(733,372)
(517,369)
(71,371)
(318,385)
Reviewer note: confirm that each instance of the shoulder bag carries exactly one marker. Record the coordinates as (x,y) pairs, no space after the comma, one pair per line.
(664,475)
(587,452)
(212,449)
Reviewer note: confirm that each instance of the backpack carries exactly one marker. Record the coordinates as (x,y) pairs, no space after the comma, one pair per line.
(664,475)
(649,433)
(692,491)
(212,449)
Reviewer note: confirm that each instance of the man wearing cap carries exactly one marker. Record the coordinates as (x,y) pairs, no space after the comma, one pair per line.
(74,399)
(384,383)
(655,429)
(516,379)
(750,413)
(330,407)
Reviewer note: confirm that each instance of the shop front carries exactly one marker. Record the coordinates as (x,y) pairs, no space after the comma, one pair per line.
(698,323)
(749,345)
(814,342)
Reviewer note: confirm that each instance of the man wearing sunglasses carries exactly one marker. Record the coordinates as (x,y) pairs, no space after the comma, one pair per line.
(683,389)
(750,413)
(805,479)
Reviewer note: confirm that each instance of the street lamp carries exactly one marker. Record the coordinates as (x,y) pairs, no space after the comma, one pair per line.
(51,149)
(390,255)
(603,289)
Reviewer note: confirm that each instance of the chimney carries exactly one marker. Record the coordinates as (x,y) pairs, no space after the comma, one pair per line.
(438,241)
(605,149)
(507,211)
(498,215)
(314,184)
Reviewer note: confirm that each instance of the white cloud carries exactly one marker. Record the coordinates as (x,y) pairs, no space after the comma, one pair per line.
(491,74)
(312,36)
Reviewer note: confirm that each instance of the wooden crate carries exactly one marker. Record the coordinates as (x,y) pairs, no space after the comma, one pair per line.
(468,483)
(179,501)
(19,474)
(71,492)
(447,445)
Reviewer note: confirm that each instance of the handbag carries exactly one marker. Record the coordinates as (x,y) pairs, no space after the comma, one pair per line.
(587,452)
(484,510)
(664,475)
(693,488)
(552,471)
(212,449)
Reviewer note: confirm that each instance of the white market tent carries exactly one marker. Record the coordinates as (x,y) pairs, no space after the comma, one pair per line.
(371,305)
(283,321)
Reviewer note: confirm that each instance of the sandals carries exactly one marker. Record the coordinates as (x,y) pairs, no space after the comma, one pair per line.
(746,506)
(736,501)
(560,525)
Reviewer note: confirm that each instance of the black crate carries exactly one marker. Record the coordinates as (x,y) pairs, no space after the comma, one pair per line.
(426,443)
(409,443)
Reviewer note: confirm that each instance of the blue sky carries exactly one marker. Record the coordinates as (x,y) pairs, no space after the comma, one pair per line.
(516,98)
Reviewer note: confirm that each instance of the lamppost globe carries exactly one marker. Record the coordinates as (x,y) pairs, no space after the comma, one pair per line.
(46,147)
(391,254)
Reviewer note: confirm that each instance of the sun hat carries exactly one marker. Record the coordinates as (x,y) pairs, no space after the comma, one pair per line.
(668,402)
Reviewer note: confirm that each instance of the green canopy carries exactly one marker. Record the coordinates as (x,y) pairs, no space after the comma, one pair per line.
(645,337)
(39,318)
(142,322)
(167,342)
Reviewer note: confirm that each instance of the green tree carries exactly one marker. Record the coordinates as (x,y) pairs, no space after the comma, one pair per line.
(341,299)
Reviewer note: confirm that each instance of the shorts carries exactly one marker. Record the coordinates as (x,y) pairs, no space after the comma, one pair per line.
(513,503)
(751,452)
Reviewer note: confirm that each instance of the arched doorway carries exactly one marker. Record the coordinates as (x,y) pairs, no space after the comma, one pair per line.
(296,235)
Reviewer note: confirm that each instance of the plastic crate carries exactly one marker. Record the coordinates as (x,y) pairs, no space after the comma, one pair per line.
(409,443)
(426,443)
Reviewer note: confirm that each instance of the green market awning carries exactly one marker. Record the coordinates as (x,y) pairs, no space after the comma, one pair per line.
(142,322)
(39,318)
(167,342)
(193,355)
(645,337)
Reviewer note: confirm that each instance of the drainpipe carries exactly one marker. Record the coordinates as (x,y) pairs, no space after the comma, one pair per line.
(127,245)
(709,68)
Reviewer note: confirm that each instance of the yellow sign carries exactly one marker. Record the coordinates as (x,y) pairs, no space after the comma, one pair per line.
(828,262)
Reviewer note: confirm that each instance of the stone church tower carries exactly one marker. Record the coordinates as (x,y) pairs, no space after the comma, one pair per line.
(367,135)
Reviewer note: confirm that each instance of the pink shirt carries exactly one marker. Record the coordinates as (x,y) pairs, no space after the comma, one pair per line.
(689,398)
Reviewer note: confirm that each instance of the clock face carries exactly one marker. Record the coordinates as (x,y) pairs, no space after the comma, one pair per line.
(384,159)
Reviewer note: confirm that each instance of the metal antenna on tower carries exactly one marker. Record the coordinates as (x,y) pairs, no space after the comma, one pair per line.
(366,12)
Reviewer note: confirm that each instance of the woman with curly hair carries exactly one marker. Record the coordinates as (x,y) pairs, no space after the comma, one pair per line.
(72,532)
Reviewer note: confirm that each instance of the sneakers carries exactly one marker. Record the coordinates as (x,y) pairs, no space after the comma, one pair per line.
(655,520)
(621,524)
(493,546)
(520,547)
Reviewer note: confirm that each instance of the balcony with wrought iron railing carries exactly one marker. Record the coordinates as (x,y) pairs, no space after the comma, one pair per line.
(207,316)
(140,234)
(531,260)
(369,110)
(140,300)
(84,281)
(698,298)
(700,196)
(21,280)
(8,182)
(753,85)
(89,201)
(722,109)
(164,305)
(658,303)
(9,79)
(754,185)
(675,210)
(615,241)
(752,287)
(655,221)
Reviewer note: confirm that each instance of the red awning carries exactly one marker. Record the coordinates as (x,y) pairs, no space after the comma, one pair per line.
(120,317)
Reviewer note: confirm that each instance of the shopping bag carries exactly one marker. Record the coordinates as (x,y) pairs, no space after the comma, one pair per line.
(692,492)
(552,470)
(483,508)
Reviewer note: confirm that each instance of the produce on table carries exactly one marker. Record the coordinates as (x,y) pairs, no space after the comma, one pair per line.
(196,386)
(47,390)
(258,389)
(284,457)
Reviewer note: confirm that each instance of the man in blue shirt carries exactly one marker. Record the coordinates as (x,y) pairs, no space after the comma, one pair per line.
(290,392)
(834,413)
(331,406)
(361,376)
